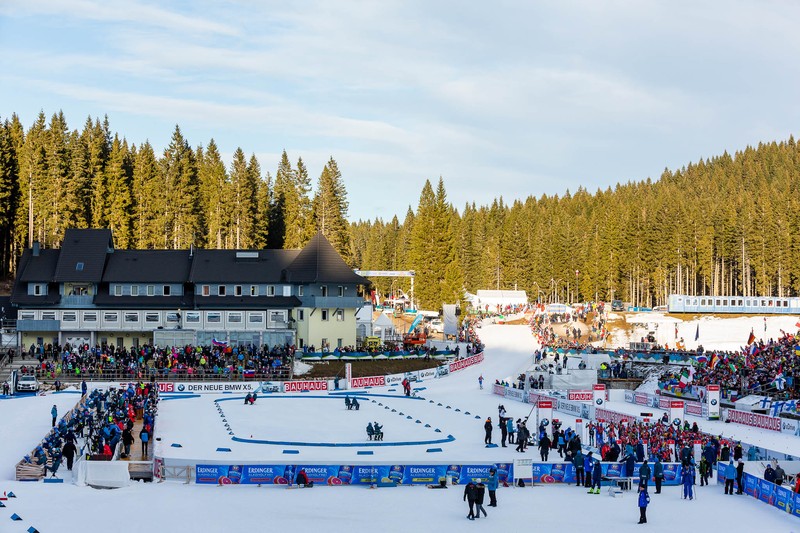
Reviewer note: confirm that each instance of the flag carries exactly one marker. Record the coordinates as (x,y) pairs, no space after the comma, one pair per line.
(686,378)
(797,325)
(215,342)
(714,360)
(751,338)
(779,382)
(701,359)
(697,333)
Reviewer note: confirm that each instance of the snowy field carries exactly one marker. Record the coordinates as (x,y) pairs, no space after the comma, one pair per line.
(196,424)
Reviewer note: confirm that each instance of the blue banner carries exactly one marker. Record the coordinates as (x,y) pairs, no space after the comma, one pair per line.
(765,491)
(348,474)
(783,497)
(750,485)
(565,472)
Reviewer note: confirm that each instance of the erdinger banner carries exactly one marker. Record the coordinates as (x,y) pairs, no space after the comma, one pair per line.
(565,472)
(712,399)
(599,393)
(348,474)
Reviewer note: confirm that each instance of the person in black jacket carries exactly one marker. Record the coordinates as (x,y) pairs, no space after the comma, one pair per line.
(469,497)
(544,447)
(488,427)
(480,492)
(69,452)
(739,477)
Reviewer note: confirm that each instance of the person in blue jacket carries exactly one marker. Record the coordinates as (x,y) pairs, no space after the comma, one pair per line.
(644,474)
(639,452)
(687,478)
(597,476)
(644,499)
(54,413)
(630,464)
(577,462)
(588,465)
(730,475)
(491,486)
(752,453)
(83,388)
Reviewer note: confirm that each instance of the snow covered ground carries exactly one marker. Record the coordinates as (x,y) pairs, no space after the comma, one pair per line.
(195,423)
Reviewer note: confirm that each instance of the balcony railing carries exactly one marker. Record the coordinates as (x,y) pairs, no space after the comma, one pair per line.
(77,301)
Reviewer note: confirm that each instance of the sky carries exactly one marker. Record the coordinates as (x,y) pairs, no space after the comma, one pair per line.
(505,98)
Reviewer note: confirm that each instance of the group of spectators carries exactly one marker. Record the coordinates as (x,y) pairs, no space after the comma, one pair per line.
(763,367)
(100,422)
(152,361)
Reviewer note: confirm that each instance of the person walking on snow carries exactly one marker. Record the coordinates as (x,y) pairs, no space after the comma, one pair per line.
(597,476)
(644,499)
(658,473)
(488,427)
(469,497)
(480,492)
(54,413)
(644,474)
(687,478)
(480,381)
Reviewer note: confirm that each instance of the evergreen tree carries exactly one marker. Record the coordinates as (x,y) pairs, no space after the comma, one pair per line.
(179,172)
(330,209)
(118,181)
(146,192)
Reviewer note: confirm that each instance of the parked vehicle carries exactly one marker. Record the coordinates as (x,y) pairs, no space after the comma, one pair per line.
(27,383)
(436,325)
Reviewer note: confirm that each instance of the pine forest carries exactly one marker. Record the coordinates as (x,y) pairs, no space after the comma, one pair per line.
(725,225)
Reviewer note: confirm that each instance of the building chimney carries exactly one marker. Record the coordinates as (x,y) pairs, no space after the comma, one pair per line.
(35,248)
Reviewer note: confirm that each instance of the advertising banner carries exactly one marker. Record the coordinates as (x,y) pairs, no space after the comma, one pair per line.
(604,415)
(783,497)
(754,419)
(515,394)
(370,381)
(309,385)
(348,374)
(693,408)
(599,392)
(712,400)
(428,373)
(766,491)
(629,396)
(565,472)
(570,408)
(348,474)
(464,363)
(580,396)
(215,387)
(750,484)
(498,389)
(442,370)
(544,416)
(271,386)
(790,426)
(676,411)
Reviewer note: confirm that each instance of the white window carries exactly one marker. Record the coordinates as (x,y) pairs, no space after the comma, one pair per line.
(206,290)
(221,290)
(134,290)
(69,316)
(192,317)
(173,317)
(287,290)
(90,316)
(214,318)
(270,290)
(151,317)
(117,290)
(167,290)
(253,290)
(340,315)
(48,315)
(27,315)
(324,315)
(110,317)
(300,290)
(39,289)
(237,290)
(341,291)
(255,318)
(277,317)
(324,290)
(151,290)
(131,317)
(234,318)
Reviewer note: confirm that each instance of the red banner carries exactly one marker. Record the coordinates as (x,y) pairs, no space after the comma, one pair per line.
(676,404)
(754,419)
(693,408)
(298,386)
(371,381)
(461,364)
(546,404)
(580,396)
(598,386)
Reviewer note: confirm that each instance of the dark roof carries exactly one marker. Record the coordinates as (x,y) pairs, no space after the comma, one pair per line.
(247,302)
(39,268)
(35,269)
(319,262)
(240,266)
(83,255)
(145,266)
